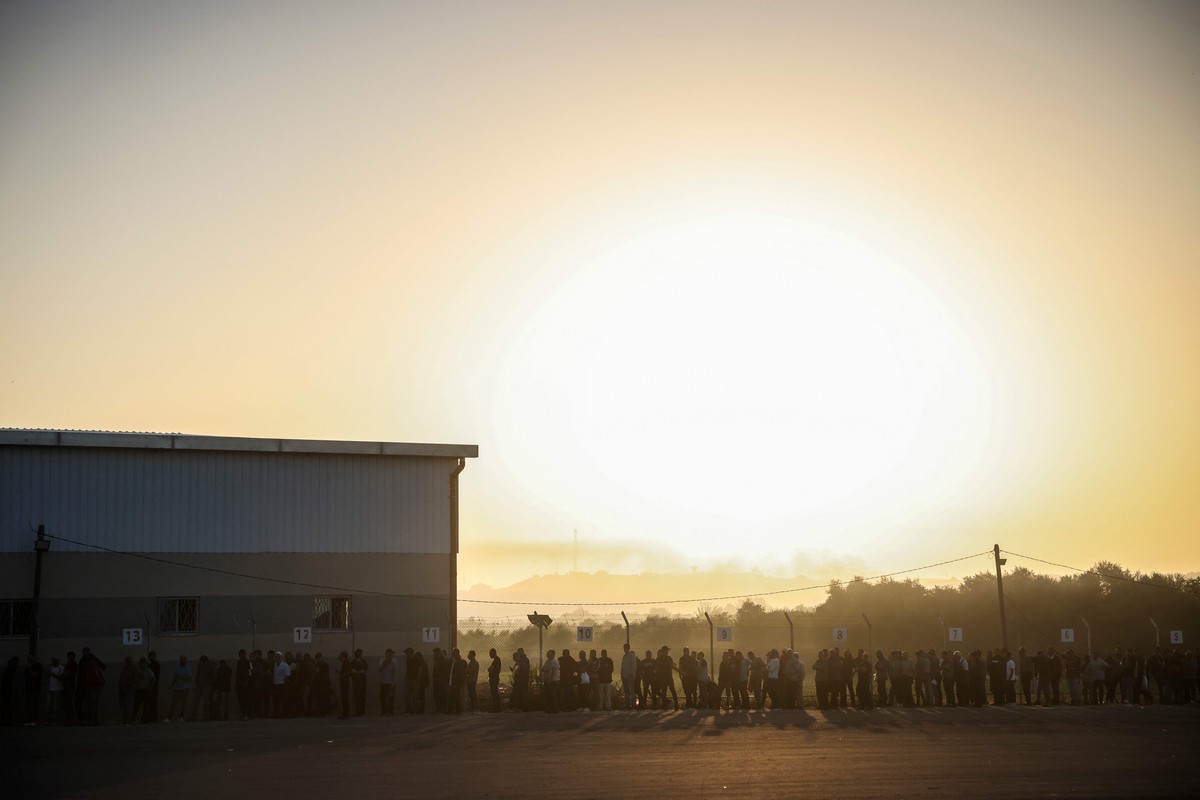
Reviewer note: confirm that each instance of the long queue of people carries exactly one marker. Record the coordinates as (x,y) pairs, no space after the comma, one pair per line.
(843,679)
(278,684)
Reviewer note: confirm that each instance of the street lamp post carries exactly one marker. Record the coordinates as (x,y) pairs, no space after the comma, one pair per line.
(40,546)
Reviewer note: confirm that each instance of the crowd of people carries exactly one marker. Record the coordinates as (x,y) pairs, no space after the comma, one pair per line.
(278,684)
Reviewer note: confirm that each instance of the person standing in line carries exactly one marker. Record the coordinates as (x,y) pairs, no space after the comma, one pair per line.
(947,667)
(203,689)
(743,680)
(88,686)
(520,672)
(358,679)
(646,684)
(150,711)
(262,678)
(219,705)
(687,678)
(472,681)
(882,673)
(456,683)
(798,672)
(629,668)
(703,680)
(1025,668)
(757,668)
(387,683)
(664,666)
(441,680)
(586,680)
(144,679)
(280,672)
(8,682)
(53,693)
(69,680)
(550,677)
(181,684)
(126,689)
(863,669)
(33,690)
(413,693)
(344,683)
(821,678)
(493,672)
(1011,676)
(604,676)
(771,680)
(241,685)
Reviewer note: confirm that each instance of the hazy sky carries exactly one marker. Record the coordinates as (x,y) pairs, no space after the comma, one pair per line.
(783,285)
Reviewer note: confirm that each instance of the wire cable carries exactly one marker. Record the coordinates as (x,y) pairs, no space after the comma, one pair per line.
(1182,590)
(529,603)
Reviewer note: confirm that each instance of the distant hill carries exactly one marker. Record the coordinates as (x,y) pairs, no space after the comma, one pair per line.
(641,594)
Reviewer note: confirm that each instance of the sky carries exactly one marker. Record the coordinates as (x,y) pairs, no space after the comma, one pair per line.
(810,288)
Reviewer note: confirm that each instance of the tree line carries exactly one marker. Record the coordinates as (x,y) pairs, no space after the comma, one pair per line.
(1116,606)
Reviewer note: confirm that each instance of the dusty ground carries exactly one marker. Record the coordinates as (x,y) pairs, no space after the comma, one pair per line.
(1106,751)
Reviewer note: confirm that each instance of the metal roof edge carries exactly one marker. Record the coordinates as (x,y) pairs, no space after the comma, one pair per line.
(176,441)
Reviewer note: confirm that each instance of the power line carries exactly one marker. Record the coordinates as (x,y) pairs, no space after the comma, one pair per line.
(530,603)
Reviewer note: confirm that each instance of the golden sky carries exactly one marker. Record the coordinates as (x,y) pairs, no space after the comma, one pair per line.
(750,284)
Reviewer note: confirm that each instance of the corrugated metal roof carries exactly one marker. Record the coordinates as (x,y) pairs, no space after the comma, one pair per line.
(178,441)
(208,500)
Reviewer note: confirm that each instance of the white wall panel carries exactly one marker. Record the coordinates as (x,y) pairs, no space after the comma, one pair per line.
(198,501)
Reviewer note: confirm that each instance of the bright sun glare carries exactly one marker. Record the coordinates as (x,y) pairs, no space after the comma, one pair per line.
(742,370)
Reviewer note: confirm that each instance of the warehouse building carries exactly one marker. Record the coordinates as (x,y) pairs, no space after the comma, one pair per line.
(207,545)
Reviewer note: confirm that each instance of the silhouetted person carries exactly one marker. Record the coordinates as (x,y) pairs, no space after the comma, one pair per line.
(494,668)
(33,690)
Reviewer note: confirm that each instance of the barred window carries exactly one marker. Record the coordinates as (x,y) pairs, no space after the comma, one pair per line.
(178,614)
(16,617)
(331,613)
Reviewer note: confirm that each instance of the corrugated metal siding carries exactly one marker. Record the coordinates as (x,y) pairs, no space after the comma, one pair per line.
(233,502)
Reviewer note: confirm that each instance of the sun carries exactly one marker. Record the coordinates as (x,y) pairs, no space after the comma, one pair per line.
(743,369)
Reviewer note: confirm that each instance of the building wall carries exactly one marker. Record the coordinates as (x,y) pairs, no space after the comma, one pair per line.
(88,599)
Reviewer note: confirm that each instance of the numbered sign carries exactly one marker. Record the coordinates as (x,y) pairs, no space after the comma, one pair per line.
(1068,635)
(839,634)
(1176,637)
(584,633)
(431,635)
(724,634)
(954,634)
(302,635)
(131,636)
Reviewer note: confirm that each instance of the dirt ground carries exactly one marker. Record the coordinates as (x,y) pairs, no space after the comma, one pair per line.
(1101,751)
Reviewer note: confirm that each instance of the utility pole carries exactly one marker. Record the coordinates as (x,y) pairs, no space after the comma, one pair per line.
(40,546)
(870,632)
(712,645)
(1000,562)
(791,631)
(626,626)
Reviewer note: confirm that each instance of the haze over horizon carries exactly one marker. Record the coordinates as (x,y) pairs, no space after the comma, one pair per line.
(806,288)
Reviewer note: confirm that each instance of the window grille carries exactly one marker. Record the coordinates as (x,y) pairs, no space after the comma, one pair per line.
(178,614)
(331,613)
(16,617)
